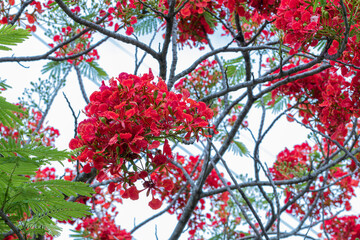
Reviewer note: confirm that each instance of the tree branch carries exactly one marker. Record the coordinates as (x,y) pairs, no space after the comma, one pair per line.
(107,32)
(11,225)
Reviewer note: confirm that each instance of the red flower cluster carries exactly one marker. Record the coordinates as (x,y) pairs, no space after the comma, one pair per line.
(126,122)
(304,24)
(79,45)
(291,164)
(7,13)
(45,135)
(45,174)
(247,8)
(297,163)
(299,22)
(203,81)
(327,100)
(124,11)
(104,228)
(347,227)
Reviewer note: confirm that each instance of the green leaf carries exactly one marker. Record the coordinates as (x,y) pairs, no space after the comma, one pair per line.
(146,25)
(93,71)
(43,201)
(4,85)
(239,148)
(65,187)
(31,152)
(7,116)
(11,36)
(56,68)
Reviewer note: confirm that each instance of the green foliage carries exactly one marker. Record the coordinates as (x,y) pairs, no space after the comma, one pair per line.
(279,104)
(29,204)
(7,116)
(31,152)
(93,71)
(56,68)
(3,85)
(90,70)
(238,148)
(146,25)
(10,36)
(39,201)
(235,69)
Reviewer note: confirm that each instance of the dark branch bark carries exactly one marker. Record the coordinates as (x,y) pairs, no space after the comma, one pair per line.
(107,32)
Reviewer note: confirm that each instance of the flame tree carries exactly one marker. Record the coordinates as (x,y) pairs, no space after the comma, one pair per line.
(282,59)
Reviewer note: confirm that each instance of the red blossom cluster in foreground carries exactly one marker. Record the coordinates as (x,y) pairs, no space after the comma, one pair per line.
(127,121)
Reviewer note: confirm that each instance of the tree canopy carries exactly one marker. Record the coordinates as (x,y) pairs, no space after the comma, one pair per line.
(134,139)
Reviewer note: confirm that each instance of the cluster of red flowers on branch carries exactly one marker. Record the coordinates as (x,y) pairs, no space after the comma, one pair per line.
(347,227)
(45,135)
(194,22)
(8,12)
(305,22)
(45,174)
(204,80)
(249,8)
(101,228)
(199,18)
(325,100)
(79,45)
(126,12)
(127,121)
(340,186)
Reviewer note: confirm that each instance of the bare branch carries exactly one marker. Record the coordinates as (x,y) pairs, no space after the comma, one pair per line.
(11,225)
(107,32)
(81,84)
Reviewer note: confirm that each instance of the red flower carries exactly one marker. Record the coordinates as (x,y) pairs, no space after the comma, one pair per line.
(131,193)
(75,143)
(155,203)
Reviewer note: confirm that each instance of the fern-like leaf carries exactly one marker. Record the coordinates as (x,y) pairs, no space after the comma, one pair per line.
(7,117)
(239,148)
(41,154)
(146,25)
(93,71)
(65,187)
(11,36)
(56,68)
(3,85)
